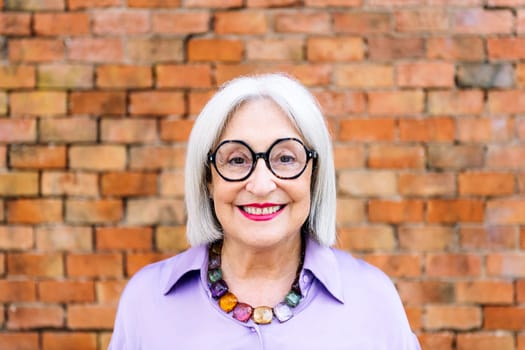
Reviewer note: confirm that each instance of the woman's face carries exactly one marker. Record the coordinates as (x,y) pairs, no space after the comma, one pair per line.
(262,210)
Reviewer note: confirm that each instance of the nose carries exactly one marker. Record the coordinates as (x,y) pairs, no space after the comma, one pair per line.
(261,181)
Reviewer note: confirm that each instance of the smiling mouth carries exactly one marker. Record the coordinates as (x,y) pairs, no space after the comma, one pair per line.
(262,211)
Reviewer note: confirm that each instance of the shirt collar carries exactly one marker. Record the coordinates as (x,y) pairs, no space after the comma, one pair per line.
(322,263)
(319,260)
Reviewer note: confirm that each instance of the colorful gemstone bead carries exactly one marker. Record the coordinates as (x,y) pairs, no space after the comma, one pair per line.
(216,247)
(214,275)
(214,261)
(218,289)
(242,312)
(282,312)
(227,302)
(262,315)
(292,299)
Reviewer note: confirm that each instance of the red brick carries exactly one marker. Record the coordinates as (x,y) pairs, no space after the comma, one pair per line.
(64,76)
(124,238)
(91,317)
(340,103)
(154,3)
(175,130)
(455,210)
(94,211)
(455,156)
(155,50)
(157,103)
(453,265)
(487,237)
(327,49)
(129,184)
(69,183)
(98,102)
(272,3)
(95,50)
(197,100)
(136,261)
(422,20)
(289,49)
(396,102)
(157,157)
(244,22)
(20,340)
(455,102)
(485,341)
(520,21)
(479,21)
(396,265)
(183,76)
(38,316)
(172,183)
(507,265)
(462,48)
(427,184)
(425,74)
(520,291)
(17,290)
(506,101)
(427,129)
(152,211)
(16,237)
(64,238)
(364,75)
(366,238)
(485,129)
(3,103)
(350,211)
(17,76)
(124,76)
(485,183)
(120,21)
(349,156)
(504,318)
(38,157)
(108,292)
(18,184)
(452,317)
(34,211)
(506,211)
(506,48)
(213,3)
(361,22)
(69,340)
(36,50)
(389,48)
(12,23)
(58,24)
(35,265)
(415,317)
(94,265)
(425,292)
(505,156)
(97,157)
(34,5)
(3,161)
(70,129)
(128,130)
(425,238)
(329,3)
(305,22)
(519,126)
(389,211)
(180,23)
(367,183)
(66,291)
(373,129)
(485,292)
(38,103)
(224,50)
(87,4)
(396,157)
(389,3)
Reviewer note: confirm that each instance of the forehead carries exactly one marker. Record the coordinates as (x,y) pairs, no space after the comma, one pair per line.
(259,122)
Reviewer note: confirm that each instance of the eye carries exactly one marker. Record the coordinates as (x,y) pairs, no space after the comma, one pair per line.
(237,161)
(286,158)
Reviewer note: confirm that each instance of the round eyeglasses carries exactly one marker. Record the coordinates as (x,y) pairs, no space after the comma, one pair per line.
(286,158)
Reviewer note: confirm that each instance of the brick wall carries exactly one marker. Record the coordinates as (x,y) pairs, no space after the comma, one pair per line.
(425,99)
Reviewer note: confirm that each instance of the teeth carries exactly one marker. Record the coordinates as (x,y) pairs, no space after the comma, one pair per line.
(261,211)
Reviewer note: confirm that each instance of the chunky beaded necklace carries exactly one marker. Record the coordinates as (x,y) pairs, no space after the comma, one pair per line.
(241,311)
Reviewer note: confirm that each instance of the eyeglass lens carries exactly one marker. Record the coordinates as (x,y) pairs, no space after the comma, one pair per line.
(286,158)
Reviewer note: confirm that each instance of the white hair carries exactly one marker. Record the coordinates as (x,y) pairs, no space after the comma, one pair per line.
(302,109)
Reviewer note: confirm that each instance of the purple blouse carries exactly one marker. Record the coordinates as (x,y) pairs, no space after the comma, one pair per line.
(347,304)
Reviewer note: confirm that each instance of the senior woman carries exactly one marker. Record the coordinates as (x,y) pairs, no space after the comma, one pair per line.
(260,199)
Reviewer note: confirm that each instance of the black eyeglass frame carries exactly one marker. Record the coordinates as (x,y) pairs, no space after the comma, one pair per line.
(310,154)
